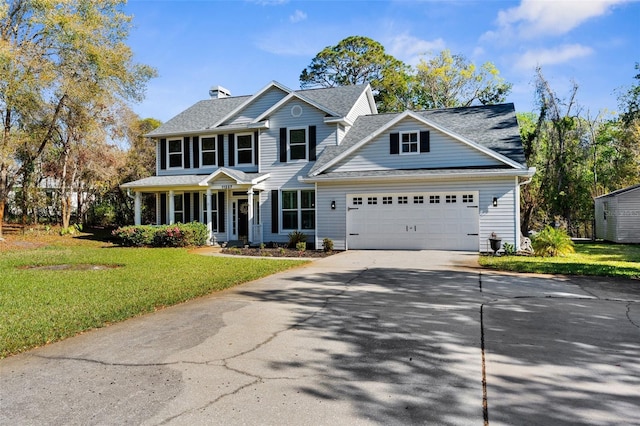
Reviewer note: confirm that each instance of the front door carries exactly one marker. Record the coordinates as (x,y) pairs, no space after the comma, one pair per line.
(243,220)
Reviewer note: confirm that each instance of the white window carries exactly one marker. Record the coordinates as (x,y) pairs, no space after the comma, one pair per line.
(357,201)
(434,199)
(387,200)
(174,152)
(403,199)
(418,199)
(178,208)
(409,143)
(214,210)
(244,148)
(450,199)
(467,198)
(208,151)
(372,200)
(298,144)
(299,209)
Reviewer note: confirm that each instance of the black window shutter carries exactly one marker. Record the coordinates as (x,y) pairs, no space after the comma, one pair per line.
(274,211)
(163,154)
(394,143)
(312,143)
(424,141)
(185,152)
(187,207)
(221,212)
(232,150)
(283,144)
(220,151)
(196,152)
(163,209)
(196,206)
(256,154)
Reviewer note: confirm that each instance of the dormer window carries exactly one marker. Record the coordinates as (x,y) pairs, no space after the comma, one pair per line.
(208,151)
(409,142)
(174,151)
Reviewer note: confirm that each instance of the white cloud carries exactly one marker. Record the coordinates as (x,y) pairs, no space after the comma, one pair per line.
(558,55)
(533,18)
(410,49)
(298,16)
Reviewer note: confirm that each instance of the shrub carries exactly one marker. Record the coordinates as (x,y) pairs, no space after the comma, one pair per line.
(509,249)
(327,245)
(301,246)
(296,237)
(178,235)
(551,242)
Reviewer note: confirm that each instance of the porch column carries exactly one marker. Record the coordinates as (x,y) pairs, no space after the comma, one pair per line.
(137,207)
(209,221)
(172,208)
(250,213)
(158,210)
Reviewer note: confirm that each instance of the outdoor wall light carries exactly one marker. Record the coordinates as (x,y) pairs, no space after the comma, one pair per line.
(333,205)
(495,201)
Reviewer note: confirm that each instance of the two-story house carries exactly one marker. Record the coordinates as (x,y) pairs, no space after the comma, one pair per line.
(324,162)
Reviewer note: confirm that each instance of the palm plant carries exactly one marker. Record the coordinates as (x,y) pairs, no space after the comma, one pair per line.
(552,242)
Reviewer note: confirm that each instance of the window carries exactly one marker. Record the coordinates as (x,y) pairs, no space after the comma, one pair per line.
(467,198)
(387,200)
(299,209)
(372,200)
(409,142)
(403,200)
(434,199)
(450,199)
(174,147)
(418,199)
(178,208)
(214,211)
(208,151)
(357,201)
(245,149)
(297,144)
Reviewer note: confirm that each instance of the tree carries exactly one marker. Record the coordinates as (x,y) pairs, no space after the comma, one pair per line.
(448,80)
(361,60)
(58,56)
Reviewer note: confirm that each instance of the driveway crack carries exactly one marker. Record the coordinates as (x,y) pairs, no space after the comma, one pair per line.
(628,315)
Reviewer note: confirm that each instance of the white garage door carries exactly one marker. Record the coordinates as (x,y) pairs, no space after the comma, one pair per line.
(414,221)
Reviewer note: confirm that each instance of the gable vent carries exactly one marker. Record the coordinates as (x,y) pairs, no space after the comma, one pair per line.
(218,92)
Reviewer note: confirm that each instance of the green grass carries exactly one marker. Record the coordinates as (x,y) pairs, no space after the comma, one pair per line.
(42,306)
(599,259)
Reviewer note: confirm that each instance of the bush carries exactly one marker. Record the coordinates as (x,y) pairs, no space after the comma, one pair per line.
(509,249)
(551,242)
(296,237)
(327,245)
(178,235)
(301,246)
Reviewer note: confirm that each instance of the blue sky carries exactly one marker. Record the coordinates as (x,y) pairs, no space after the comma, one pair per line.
(243,45)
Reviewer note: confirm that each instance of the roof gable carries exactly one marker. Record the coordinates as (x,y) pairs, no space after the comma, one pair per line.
(480,133)
(251,100)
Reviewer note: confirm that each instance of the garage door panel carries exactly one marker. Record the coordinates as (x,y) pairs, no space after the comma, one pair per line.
(415,225)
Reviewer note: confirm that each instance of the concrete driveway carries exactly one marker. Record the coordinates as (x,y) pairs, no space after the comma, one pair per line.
(362,337)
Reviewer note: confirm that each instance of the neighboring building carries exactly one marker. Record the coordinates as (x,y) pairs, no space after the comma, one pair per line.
(324,162)
(618,215)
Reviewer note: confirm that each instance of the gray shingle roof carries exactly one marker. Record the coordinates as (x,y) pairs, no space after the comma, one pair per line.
(199,116)
(190,180)
(492,126)
(621,191)
(337,99)
(205,113)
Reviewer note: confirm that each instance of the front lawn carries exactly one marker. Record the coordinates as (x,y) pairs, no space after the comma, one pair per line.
(67,285)
(600,259)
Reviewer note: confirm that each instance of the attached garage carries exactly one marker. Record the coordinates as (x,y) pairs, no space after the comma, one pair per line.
(413,221)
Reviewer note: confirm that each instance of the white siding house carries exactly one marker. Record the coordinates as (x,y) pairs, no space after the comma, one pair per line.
(618,215)
(325,163)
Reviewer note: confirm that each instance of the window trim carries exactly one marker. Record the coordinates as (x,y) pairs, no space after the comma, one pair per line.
(175,210)
(306,144)
(299,209)
(169,154)
(237,149)
(202,150)
(417,142)
(214,211)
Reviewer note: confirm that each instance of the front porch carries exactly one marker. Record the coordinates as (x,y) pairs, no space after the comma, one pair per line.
(227,201)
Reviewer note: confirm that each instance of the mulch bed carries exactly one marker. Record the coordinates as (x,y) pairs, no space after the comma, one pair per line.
(277,252)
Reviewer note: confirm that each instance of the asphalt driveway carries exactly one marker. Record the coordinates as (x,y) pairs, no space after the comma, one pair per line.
(363,337)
